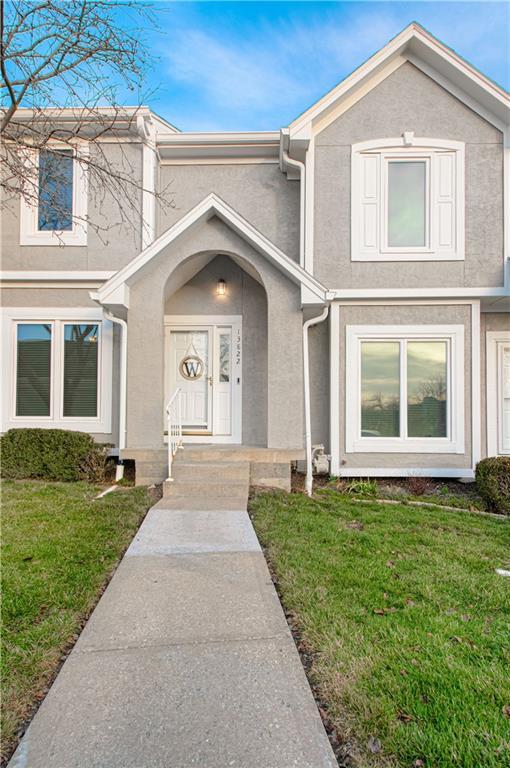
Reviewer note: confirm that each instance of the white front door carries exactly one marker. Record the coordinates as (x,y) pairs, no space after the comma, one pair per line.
(188,355)
(203,359)
(504,362)
(498,393)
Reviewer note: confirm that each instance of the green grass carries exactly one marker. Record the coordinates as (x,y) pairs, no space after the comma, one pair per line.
(407,622)
(59,547)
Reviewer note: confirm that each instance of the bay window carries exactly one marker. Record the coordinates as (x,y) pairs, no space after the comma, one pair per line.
(404,388)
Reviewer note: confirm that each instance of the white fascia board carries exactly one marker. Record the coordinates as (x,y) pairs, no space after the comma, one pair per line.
(219,138)
(212,205)
(425,47)
(54,275)
(219,146)
(394,47)
(419,293)
(118,296)
(82,113)
(414,41)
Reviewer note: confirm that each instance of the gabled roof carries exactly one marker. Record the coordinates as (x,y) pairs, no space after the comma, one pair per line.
(417,45)
(113,291)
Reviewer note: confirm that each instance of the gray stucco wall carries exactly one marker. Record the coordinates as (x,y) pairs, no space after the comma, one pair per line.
(146,339)
(406,315)
(318,353)
(489,321)
(408,100)
(244,297)
(46,297)
(260,192)
(69,298)
(109,247)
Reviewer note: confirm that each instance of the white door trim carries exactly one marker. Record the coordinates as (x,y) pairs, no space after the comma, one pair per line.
(493,393)
(235,322)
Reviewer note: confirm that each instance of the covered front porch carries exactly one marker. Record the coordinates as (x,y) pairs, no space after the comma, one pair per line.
(213,317)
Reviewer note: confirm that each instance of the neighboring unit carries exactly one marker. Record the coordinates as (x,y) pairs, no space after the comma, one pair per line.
(344,282)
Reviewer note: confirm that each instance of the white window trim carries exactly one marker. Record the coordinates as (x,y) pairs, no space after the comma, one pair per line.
(454,336)
(57,318)
(493,395)
(77,236)
(407,147)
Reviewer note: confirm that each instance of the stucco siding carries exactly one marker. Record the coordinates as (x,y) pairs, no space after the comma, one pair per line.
(46,297)
(146,344)
(260,192)
(110,243)
(409,100)
(318,338)
(374,315)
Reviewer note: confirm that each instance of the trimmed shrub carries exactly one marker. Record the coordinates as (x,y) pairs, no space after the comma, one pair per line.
(48,454)
(493,483)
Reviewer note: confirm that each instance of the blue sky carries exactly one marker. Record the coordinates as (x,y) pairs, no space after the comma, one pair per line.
(257,65)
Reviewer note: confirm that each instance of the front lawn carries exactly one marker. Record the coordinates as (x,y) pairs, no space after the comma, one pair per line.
(407,623)
(59,547)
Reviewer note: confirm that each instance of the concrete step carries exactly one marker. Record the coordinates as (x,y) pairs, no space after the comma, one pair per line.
(150,472)
(215,453)
(218,489)
(145,454)
(210,471)
(203,503)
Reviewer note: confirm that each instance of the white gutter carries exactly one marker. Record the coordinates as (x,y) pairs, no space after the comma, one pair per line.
(119,474)
(302,202)
(306,385)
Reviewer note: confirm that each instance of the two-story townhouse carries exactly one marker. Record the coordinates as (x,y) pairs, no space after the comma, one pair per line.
(344,281)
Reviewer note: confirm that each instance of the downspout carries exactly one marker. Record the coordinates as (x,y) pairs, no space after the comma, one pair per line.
(306,385)
(119,474)
(147,134)
(302,202)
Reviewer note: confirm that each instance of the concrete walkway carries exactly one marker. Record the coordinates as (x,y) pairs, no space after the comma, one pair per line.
(186,661)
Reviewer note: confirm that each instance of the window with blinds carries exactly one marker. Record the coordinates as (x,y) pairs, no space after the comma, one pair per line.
(81,344)
(33,369)
(57,370)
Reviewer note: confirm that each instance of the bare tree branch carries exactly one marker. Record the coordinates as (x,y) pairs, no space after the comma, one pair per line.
(63,65)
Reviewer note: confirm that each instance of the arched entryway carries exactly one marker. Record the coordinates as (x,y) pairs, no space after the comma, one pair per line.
(215,349)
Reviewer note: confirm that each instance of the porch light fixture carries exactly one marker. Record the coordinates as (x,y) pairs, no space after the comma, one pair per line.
(221,287)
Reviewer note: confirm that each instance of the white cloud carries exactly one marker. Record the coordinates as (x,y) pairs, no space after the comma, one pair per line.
(264,77)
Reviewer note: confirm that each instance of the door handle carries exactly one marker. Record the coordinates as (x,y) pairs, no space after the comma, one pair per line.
(210,380)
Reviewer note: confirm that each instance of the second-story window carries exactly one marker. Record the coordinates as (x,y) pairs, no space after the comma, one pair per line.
(407,203)
(55,210)
(407,200)
(55,191)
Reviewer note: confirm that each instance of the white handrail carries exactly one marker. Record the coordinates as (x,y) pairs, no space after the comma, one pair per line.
(174,427)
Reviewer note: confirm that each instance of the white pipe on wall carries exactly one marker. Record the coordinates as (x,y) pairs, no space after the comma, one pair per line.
(306,385)
(302,202)
(119,474)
